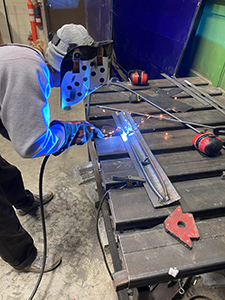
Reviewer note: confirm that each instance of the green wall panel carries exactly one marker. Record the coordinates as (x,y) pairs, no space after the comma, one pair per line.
(207,55)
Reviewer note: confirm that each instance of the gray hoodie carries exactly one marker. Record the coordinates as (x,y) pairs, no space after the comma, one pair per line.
(25,85)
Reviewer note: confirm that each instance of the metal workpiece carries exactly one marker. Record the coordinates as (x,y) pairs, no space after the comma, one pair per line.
(158,187)
(209,99)
(185,88)
(197,93)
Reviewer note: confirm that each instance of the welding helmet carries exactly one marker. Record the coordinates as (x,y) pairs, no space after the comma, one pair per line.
(83,63)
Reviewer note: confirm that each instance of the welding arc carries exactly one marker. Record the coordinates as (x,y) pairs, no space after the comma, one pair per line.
(166,198)
(155,105)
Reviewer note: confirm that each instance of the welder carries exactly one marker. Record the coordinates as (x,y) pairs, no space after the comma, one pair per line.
(27,74)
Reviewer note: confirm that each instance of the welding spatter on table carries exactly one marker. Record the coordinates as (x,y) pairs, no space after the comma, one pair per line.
(182,226)
(206,142)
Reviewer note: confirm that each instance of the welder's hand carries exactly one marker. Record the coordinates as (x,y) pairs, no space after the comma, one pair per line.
(77,133)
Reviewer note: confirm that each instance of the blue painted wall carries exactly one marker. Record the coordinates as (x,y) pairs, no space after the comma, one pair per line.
(151,35)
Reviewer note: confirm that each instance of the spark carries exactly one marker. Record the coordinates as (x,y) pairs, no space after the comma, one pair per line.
(167,136)
(175,98)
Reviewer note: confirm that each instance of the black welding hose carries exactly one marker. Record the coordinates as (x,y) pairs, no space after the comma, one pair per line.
(7,21)
(43,226)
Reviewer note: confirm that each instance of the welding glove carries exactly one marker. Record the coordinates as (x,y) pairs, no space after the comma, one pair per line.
(77,133)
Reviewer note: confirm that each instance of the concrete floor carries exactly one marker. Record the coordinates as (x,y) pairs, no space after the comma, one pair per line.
(70,223)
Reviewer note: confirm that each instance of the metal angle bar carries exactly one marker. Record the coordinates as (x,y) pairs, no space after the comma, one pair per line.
(149,157)
(160,190)
(187,90)
(208,98)
(153,197)
(191,89)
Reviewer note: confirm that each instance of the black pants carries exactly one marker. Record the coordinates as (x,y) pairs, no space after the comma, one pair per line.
(16,245)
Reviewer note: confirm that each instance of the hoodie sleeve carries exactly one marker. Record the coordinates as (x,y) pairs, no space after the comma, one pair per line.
(25,110)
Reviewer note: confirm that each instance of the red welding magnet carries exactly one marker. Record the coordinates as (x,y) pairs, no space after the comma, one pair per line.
(182,226)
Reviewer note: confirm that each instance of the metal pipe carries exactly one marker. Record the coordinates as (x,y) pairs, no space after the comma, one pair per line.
(153,104)
(156,117)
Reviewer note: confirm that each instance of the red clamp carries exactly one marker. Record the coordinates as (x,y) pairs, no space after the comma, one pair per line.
(182,226)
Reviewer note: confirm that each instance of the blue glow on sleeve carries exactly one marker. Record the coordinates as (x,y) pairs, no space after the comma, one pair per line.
(46,142)
(46,90)
(46,87)
(46,114)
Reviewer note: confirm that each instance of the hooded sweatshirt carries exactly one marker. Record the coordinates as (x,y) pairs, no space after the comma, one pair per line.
(25,85)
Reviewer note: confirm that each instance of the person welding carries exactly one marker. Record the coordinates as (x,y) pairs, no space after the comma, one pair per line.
(27,75)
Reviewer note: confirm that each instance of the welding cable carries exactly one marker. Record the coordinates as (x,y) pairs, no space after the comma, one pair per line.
(43,225)
(98,234)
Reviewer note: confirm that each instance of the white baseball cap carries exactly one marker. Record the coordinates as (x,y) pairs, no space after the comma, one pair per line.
(59,43)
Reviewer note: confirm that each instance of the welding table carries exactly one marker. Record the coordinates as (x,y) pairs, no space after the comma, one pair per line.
(145,252)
